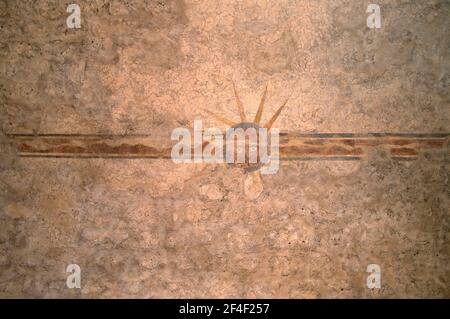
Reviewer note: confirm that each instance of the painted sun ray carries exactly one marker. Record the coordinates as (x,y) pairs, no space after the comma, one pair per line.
(239,105)
(261,107)
(275,116)
(220,118)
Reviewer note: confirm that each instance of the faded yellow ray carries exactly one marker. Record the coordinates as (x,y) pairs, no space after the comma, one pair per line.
(239,105)
(261,107)
(220,118)
(275,116)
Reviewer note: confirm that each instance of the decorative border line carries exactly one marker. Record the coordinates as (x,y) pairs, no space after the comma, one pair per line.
(312,134)
(296,146)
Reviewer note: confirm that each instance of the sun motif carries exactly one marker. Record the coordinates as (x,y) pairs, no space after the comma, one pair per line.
(245,123)
(243,117)
(253,183)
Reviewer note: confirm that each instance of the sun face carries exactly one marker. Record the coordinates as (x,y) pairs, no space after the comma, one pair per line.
(245,124)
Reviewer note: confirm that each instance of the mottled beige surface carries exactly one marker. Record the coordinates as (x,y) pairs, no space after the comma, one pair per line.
(152,228)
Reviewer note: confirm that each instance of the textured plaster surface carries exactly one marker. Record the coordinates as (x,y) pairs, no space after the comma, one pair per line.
(152,228)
